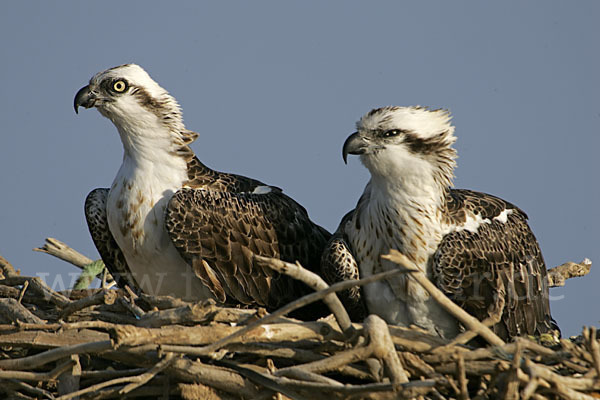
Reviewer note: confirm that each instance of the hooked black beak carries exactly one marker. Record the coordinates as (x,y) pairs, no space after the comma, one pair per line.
(355,144)
(85,98)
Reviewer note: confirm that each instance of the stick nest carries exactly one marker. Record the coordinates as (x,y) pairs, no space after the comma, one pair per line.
(106,343)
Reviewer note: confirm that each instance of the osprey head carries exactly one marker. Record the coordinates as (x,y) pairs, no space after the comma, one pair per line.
(129,97)
(394,141)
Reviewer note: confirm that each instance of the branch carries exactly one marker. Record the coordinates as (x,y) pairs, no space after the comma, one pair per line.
(61,250)
(558,275)
(465,318)
(315,282)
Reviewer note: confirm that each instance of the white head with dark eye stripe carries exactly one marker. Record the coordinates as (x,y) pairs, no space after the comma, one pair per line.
(405,143)
(132,100)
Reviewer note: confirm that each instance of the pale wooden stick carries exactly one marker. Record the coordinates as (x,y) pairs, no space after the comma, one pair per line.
(558,275)
(103,296)
(314,281)
(7,268)
(136,381)
(461,375)
(12,310)
(54,354)
(470,322)
(382,347)
(61,250)
(37,376)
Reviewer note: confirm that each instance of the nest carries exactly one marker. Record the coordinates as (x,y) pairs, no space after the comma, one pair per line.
(107,343)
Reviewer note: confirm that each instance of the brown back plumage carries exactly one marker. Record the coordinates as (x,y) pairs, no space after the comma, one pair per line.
(497,270)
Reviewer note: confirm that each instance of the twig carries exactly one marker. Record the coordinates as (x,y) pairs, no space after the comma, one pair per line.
(23,289)
(589,334)
(135,381)
(6,268)
(37,376)
(512,381)
(466,336)
(38,392)
(382,347)
(566,381)
(102,296)
(465,318)
(314,281)
(145,377)
(61,250)
(38,285)
(11,310)
(461,376)
(54,354)
(558,275)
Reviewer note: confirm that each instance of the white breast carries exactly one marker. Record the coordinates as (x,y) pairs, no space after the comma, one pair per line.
(136,210)
(399,300)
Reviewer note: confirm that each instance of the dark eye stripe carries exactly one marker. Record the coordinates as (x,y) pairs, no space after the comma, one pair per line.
(419,145)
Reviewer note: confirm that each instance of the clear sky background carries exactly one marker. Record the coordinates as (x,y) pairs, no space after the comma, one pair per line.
(275,87)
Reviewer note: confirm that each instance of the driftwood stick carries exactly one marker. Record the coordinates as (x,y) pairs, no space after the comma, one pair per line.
(130,335)
(465,318)
(6,268)
(558,275)
(36,391)
(142,379)
(217,377)
(134,381)
(68,381)
(512,380)
(466,336)
(54,354)
(547,374)
(61,250)
(11,310)
(314,281)
(332,363)
(102,296)
(37,376)
(461,376)
(383,348)
(23,290)
(38,285)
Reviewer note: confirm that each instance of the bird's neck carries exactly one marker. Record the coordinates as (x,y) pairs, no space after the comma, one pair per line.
(414,193)
(152,153)
(411,206)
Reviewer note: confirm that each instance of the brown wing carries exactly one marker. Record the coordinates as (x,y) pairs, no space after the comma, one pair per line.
(218,232)
(338,264)
(97,221)
(497,270)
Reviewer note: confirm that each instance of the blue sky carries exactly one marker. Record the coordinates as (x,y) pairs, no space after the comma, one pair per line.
(275,87)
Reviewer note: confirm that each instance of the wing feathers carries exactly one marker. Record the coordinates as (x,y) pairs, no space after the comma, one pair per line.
(97,221)
(226,229)
(498,268)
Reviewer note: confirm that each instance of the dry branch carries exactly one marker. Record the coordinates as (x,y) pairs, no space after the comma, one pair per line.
(558,275)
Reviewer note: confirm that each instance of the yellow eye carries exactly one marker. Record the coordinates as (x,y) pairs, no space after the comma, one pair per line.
(119,86)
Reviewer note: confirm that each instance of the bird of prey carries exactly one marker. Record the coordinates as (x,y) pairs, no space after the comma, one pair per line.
(477,248)
(169,225)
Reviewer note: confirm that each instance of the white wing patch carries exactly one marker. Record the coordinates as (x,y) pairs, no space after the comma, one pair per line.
(503,216)
(262,190)
(473,223)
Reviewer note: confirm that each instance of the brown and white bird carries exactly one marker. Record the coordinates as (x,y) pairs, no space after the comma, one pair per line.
(475,247)
(169,225)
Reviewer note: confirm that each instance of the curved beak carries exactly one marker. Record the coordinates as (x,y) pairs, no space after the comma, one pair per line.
(355,144)
(85,98)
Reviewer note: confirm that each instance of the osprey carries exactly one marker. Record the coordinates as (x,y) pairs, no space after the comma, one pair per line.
(169,225)
(475,247)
